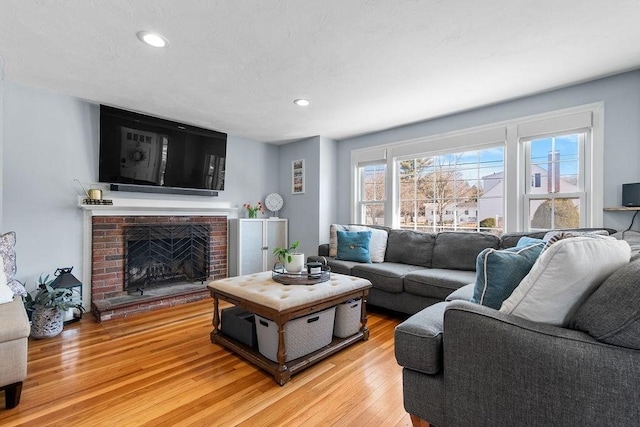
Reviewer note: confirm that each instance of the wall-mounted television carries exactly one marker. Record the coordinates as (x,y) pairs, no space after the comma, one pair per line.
(150,154)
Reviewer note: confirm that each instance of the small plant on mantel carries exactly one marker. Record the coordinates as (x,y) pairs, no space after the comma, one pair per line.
(284,254)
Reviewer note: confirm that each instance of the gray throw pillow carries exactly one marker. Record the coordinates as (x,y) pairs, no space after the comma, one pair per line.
(612,313)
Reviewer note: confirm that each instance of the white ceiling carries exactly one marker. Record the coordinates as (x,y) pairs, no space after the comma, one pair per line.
(366,65)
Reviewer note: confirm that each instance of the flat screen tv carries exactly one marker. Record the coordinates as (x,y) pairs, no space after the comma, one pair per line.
(149,154)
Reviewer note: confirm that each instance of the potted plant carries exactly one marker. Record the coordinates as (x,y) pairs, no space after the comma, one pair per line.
(49,305)
(292,260)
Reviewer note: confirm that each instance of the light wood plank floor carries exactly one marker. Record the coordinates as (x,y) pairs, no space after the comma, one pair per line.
(160,369)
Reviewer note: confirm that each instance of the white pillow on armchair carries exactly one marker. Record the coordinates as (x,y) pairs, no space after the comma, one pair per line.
(6,293)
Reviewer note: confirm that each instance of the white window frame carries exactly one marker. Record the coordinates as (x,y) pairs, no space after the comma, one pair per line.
(511,133)
(360,203)
(580,195)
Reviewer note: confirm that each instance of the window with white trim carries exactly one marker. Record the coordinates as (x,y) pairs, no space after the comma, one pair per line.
(557,198)
(372,194)
(437,193)
(547,174)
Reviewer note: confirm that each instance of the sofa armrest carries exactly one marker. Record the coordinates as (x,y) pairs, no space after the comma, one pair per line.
(511,371)
(418,340)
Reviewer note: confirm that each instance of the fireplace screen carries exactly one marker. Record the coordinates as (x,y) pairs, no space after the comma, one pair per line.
(159,254)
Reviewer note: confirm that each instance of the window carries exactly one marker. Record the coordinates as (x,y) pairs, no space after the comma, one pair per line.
(531,173)
(437,192)
(372,193)
(556,198)
(536,180)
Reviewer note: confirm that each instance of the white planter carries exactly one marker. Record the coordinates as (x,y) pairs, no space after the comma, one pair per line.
(46,322)
(296,265)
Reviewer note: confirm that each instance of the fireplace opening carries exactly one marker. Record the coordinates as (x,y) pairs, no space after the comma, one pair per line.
(159,255)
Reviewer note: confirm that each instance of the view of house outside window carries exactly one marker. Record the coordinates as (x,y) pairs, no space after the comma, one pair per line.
(532,173)
(373,180)
(554,193)
(461,191)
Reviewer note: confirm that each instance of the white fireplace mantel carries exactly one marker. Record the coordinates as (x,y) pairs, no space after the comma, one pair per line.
(140,207)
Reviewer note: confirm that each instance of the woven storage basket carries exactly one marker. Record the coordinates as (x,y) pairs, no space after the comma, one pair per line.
(347,320)
(301,336)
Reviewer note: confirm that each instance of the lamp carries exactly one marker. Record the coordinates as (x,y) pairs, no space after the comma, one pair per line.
(67,280)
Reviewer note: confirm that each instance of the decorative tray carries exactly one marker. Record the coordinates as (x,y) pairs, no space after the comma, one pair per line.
(280,275)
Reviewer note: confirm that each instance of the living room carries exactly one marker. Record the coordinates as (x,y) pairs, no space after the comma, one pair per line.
(50,138)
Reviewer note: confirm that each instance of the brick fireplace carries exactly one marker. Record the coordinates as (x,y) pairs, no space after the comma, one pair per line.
(109,297)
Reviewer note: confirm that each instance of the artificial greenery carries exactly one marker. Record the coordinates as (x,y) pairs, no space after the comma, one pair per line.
(47,296)
(284,254)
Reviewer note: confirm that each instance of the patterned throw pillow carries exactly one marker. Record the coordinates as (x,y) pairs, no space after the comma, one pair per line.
(7,242)
(8,254)
(554,236)
(354,246)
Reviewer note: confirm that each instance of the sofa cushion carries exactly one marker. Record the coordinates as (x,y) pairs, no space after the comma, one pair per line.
(418,340)
(410,247)
(612,313)
(458,250)
(464,293)
(509,240)
(564,276)
(336,265)
(436,282)
(354,246)
(387,276)
(498,272)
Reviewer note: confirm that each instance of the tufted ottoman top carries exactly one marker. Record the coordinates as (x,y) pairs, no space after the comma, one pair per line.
(262,289)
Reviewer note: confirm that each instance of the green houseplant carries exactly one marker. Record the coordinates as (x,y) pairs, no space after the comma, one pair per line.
(292,260)
(48,305)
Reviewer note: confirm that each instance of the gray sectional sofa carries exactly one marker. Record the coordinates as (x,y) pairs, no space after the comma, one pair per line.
(496,369)
(420,268)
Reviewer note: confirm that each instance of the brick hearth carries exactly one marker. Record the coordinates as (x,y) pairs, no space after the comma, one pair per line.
(109,300)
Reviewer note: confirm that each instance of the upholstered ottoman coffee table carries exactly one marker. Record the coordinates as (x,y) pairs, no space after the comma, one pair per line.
(260,294)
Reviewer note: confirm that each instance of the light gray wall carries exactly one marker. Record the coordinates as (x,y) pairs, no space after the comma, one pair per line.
(301,209)
(48,140)
(621,96)
(329,186)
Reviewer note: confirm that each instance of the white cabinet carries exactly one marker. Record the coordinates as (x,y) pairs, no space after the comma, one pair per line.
(251,244)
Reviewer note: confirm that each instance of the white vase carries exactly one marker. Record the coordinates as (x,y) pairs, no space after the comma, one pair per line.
(46,322)
(296,265)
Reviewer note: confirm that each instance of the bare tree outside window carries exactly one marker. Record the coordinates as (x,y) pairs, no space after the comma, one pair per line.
(443,192)
(373,179)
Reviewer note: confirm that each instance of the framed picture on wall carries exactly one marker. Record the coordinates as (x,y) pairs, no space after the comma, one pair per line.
(297,177)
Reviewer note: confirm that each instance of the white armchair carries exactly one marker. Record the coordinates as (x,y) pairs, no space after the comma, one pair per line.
(14,336)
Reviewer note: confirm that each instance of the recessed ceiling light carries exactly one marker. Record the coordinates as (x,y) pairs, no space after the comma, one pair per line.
(152,39)
(301,102)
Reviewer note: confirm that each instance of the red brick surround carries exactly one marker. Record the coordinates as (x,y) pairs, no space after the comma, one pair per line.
(108,263)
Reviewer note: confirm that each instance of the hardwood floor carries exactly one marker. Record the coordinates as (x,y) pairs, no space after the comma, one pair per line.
(160,369)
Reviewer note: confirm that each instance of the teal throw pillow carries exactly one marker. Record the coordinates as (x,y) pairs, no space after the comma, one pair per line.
(528,241)
(354,246)
(499,272)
